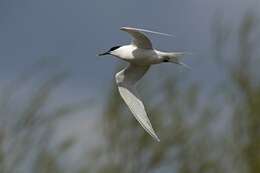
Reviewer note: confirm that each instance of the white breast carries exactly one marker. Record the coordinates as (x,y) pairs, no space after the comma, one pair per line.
(136,55)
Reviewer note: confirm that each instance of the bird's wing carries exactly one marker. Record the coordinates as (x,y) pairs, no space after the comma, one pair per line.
(140,39)
(126,80)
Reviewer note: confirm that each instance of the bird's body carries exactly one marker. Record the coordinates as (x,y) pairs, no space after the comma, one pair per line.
(140,55)
(133,54)
(143,57)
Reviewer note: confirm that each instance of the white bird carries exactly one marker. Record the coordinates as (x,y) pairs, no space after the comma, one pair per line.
(141,55)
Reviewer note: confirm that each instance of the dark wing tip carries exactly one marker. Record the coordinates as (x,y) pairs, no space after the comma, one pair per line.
(125,28)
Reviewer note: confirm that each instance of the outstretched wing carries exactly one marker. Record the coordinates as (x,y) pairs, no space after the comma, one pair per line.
(140,39)
(126,80)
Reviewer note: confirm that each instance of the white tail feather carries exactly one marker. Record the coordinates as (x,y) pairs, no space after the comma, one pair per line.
(175,57)
(184,65)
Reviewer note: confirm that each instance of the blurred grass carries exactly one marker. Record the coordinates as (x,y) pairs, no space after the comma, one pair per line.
(28,124)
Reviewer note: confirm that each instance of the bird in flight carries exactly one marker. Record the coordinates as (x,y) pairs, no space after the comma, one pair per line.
(140,55)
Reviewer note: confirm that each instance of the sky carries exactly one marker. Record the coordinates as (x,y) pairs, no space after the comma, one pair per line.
(76,31)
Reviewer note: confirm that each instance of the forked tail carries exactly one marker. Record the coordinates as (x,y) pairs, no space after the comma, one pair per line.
(176,57)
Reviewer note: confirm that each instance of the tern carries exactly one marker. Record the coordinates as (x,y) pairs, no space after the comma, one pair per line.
(140,55)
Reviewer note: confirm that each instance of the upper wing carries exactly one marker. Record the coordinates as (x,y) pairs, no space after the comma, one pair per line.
(126,80)
(140,39)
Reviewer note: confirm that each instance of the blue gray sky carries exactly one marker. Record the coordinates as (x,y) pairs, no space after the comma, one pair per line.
(76,31)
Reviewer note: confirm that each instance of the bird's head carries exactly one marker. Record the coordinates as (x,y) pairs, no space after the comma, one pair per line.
(110,51)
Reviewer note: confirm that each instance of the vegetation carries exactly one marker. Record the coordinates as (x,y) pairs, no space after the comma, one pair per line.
(27,124)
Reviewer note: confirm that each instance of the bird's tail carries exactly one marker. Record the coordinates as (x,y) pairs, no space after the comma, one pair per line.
(176,57)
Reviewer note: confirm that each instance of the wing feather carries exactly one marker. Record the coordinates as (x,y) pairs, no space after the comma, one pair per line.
(141,40)
(126,80)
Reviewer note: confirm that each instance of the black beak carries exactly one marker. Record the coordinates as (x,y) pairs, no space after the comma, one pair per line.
(101,54)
